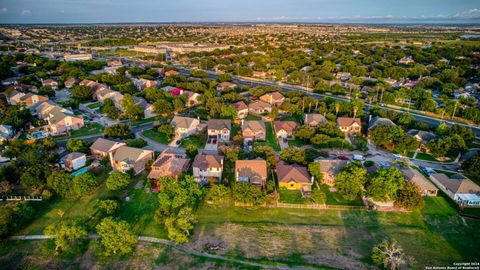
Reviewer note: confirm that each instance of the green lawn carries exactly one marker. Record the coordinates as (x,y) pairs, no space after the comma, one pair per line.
(444,172)
(199,140)
(424,156)
(410,154)
(292,196)
(271,139)
(297,119)
(333,198)
(438,205)
(253,117)
(91,128)
(94,105)
(144,121)
(296,142)
(156,136)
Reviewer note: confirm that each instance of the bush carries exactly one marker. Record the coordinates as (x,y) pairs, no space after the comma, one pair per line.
(109,207)
(138,143)
(118,181)
(249,194)
(84,184)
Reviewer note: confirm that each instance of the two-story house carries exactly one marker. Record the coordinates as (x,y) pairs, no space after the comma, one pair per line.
(127,158)
(103,147)
(274,98)
(349,125)
(253,130)
(185,126)
(219,130)
(207,167)
(252,171)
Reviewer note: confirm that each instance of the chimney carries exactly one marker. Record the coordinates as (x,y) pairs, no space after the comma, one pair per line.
(242,123)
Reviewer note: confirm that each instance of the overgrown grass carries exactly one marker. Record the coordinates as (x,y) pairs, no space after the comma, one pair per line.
(94,105)
(156,136)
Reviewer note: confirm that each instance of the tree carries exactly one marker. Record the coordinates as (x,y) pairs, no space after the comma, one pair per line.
(34,178)
(118,181)
(117,237)
(168,130)
(120,131)
(247,193)
(266,152)
(174,195)
(191,151)
(131,110)
(179,227)
(389,255)
(67,235)
(109,109)
(138,143)
(224,78)
(314,168)
(293,155)
(162,107)
(218,194)
(318,196)
(82,93)
(350,180)
(61,183)
(109,207)
(409,197)
(5,187)
(384,184)
(84,184)
(77,145)
(304,133)
(472,166)
(16,116)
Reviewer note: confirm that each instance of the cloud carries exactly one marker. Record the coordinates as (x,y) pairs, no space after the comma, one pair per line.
(3,10)
(25,13)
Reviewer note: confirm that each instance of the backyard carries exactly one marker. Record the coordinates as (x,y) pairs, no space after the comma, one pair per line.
(333,198)
(199,140)
(91,128)
(271,139)
(157,136)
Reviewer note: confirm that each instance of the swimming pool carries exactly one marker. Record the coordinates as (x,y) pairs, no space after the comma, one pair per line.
(81,171)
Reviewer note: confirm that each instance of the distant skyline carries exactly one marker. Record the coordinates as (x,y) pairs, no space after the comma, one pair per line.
(336,11)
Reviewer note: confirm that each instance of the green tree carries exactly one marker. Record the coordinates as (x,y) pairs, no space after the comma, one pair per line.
(409,197)
(472,166)
(109,109)
(82,93)
(388,255)
(77,145)
(247,193)
(218,194)
(318,197)
(293,155)
(117,237)
(119,131)
(350,180)
(131,110)
(84,184)
(61,183)
(109,207)
(66,235)
(34,178)
(384,184)
(304,133)
(118,181)
(224,78)
(138,143)
(16,116)
(162,107)
(314,168)
(179,227)
(174,195)
(191,151)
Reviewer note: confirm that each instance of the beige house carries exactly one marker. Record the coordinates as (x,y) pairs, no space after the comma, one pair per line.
(253,130)
(169,163)
(242,109)
(259,107)
(284,129)
(251,171)
(28,99)
(192,98)
(349,125)
(74,160)
(314,119)
(60,120)
(127,158)
(185,126)
(207,167)
(426,187)
(50,83)
(274,98)
(103,147)
(330,169)
(219,130)
(226,86)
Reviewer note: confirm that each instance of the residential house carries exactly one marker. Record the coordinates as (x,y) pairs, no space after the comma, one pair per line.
(274,98)
(207,167)
(114,63)
(185,126)
(343,76)
(377,121)
(50,83)
(253,130)
(30,99)
(406,60)
(61,120)
(422,136)
(223,86)
(330,168)
(6,132)
(459,188)
(252,171)
(70,83)
(242,109)
(149,111)
(425,186)
(313,120)
(103,147)
(284,129)
(74,160)
(259,107)
(294,176)
(218,130)
(13,98)
(349,125)
(192,98)
(142,84)
(127,158)
(169,163)
(259,74)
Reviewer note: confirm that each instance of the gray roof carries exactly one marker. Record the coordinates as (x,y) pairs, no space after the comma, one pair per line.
(103,145)
(375,121)
(73,156)
(424,136)
(416,177)
(331,166)
(219,124)
(128,154)
(205,161)
(182,122)
(457,183)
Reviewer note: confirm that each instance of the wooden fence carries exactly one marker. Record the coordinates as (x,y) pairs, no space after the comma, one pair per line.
(318,206)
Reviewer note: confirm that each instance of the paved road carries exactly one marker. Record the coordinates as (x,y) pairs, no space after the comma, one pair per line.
(285,87)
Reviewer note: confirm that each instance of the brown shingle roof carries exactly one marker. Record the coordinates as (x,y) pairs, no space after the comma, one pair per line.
(219,124)
(288,126)
(168,164)
(315,117)
(254,125)
(240,106)
(103,145)
(348,121)
(288,173)
(205,161)
(457,183)
(254,170)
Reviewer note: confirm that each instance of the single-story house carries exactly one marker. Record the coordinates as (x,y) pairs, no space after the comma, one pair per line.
(74,160)
(274,98)
(294,176)
(330,168)
(259,107)
(242,109)
(376,121)
(459,188)
(426,187)
(314,119)
(226,86)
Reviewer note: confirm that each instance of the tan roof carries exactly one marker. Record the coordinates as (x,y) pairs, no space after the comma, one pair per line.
(219,124)
(168,164)
(73,156)
(259,105)
(288,126)
(240,105)
(348,121)
(292,173)
(182,122)
(418,178)
(255,171)
(315,117)
(104,145)
(331,166)
(205,161)
(254,125)
(376,121)
(226,85)
(273,97)
(457,183)
(129,154)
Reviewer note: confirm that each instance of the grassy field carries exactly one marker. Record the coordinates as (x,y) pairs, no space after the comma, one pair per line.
(295,142)
(341,239)
(156,136)
(94,105)
(424,156)
(292,196)
(333,198)
(253,117)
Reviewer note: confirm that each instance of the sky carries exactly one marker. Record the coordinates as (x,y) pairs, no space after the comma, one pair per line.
(117,11)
